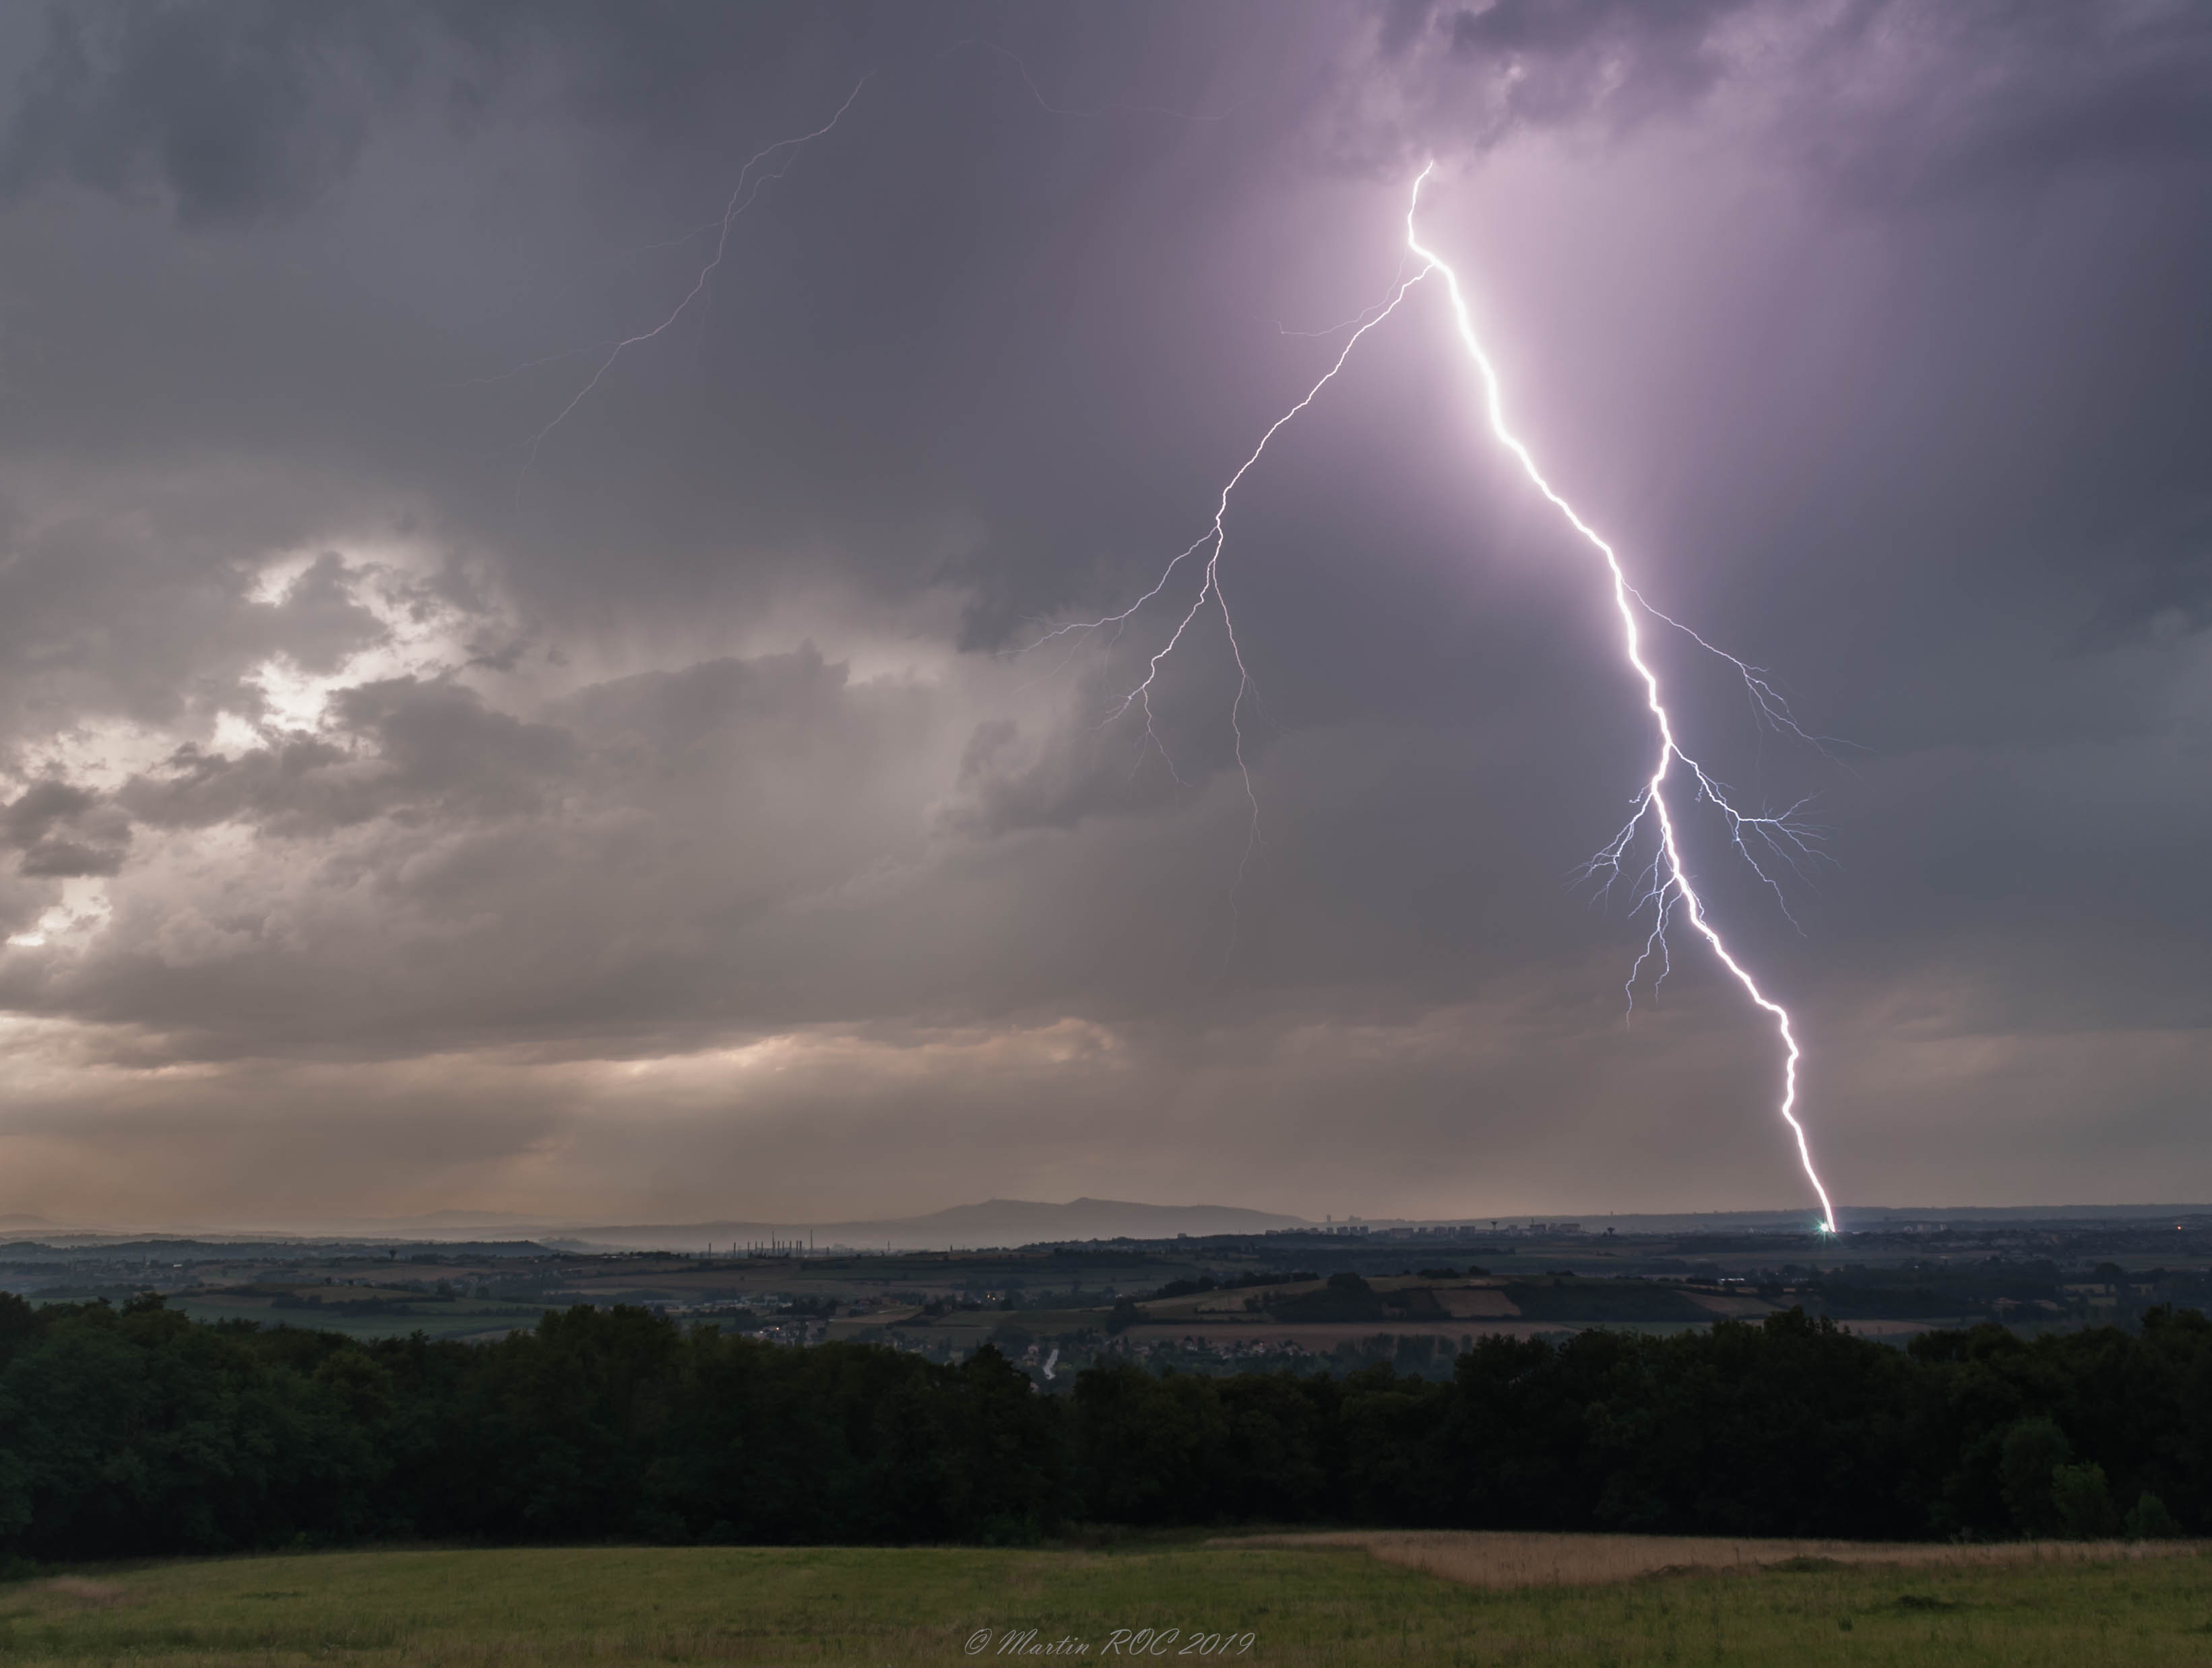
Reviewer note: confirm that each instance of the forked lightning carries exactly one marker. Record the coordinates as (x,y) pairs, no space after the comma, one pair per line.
(1664,885)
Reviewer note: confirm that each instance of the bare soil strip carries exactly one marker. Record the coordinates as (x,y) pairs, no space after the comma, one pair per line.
(1486,1558)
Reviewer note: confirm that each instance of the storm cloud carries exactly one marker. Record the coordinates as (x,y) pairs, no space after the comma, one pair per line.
(479,729)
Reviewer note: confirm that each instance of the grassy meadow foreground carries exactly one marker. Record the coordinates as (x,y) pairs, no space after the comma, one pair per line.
(1378,1597)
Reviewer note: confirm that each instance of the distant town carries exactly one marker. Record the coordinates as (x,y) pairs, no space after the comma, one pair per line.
(1335,1296)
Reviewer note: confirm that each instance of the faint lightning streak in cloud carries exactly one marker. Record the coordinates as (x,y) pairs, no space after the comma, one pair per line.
(741,199)
(514,371)
(1281,328)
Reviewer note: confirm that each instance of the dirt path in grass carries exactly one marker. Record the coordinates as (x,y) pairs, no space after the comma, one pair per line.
(1506,1559)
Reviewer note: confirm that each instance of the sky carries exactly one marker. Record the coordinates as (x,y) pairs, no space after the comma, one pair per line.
(454,755)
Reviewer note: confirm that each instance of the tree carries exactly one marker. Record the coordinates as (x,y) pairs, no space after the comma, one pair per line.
(2081,1502)
(2149,1520)
(2033,1451)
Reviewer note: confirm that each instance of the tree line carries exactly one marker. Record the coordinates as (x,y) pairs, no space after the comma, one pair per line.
(130,1431)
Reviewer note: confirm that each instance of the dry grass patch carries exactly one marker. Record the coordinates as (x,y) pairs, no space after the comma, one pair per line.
(84,1592)
(1488,1558)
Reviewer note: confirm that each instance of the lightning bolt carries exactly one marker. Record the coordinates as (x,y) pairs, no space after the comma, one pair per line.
(1664,884)
(772,161)
(1667,886)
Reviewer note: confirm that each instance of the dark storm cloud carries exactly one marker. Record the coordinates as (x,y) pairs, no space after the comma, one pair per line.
(1546,63)
(64,831)
(667,785)
(230,111)
(1013,780)
(400,748)
(1887,100)
(2001,89)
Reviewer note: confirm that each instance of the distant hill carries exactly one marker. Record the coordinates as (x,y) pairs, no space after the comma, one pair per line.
(1099,1219)
(994,1223)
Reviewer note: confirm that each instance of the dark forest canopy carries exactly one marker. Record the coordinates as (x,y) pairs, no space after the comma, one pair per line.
(133,1431)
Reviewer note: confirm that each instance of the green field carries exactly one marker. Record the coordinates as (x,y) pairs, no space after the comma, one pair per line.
(454,1318)
(1305,1606)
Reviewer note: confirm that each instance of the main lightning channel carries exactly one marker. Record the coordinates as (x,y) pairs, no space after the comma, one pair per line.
(1664,884)
(1669,886)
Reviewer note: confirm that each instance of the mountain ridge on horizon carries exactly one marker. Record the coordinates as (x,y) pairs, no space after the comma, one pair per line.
(998,1219)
